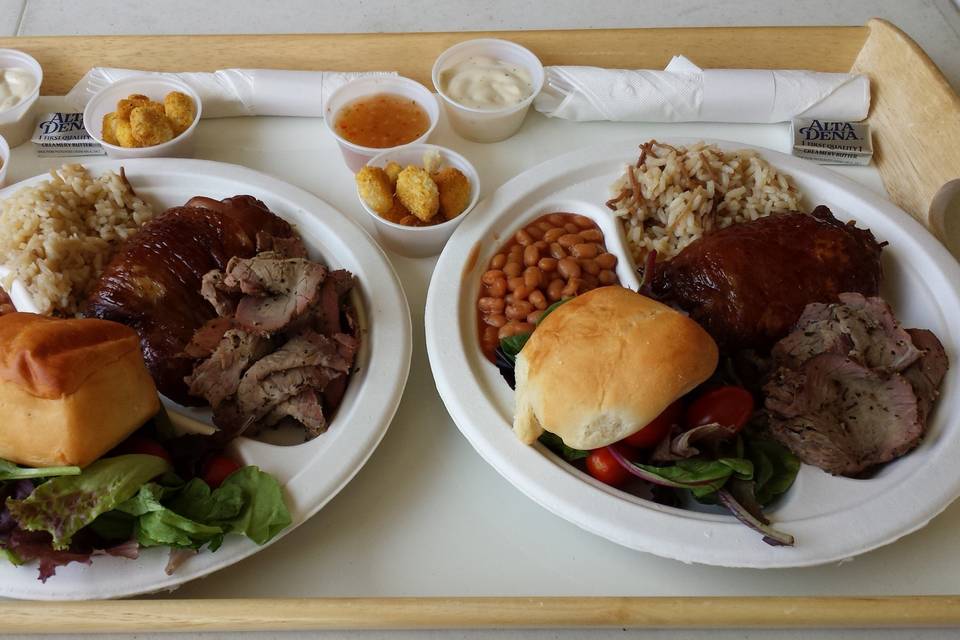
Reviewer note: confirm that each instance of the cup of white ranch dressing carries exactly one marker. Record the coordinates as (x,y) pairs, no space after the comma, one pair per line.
(20,79)
(487,86)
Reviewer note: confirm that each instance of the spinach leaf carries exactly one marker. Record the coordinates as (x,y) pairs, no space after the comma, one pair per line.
(701,477)
(512,345)
(62,506)
(553,308)
(10,471)
(555,443)
(778,468)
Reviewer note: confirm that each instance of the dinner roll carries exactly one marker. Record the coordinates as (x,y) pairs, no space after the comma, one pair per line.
(70,390)
(604,365)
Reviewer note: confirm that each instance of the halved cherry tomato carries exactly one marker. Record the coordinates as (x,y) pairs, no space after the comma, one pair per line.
(217,470)
(604,467)
(144,445)
(729,406)
(654,432)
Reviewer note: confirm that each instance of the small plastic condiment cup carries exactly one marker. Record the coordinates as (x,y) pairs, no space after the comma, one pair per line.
(16,123)
(5,159)
(355,155)
(155,88)
(420,242)
(488,125)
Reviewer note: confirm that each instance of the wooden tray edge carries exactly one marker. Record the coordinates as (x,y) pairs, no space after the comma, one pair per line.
(915,116)
(531,612)
(308,614)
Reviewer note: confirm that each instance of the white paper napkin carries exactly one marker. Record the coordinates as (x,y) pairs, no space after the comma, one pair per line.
(237,92)
(684,92)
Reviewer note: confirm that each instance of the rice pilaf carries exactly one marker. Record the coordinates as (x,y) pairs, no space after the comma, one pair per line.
(56,236)
(673,195)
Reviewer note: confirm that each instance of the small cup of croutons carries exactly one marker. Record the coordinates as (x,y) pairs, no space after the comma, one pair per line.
(144,117)
(417,196)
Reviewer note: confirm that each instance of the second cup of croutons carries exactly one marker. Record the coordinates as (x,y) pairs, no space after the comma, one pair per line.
(144,117)
(417,196)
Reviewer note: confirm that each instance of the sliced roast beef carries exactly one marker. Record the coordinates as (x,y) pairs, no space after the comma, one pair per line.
(221,297)
(851,388)
(277,289)
(863,328)
(926,374)
(301,310)
(305,407)
(208,337)
(291,247)
(841,416)
(218,377)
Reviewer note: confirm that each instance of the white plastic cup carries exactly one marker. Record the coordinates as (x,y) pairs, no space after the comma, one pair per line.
(155,88)
(5,158)
(355,155)
(420,242)
(488,125)
(16,123)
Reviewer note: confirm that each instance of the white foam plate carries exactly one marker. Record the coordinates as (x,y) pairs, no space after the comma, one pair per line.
(311,473)
(832,518)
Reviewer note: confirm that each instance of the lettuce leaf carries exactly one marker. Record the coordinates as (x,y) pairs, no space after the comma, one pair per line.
(64,505)
(158,525)
(249,502)
(264,514)
(10,471)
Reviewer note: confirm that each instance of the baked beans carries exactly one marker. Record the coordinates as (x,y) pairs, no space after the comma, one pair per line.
(558,255)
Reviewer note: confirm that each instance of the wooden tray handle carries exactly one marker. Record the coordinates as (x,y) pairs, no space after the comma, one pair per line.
(915,122)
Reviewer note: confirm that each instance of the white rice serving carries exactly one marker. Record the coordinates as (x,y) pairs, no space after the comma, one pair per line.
(673,195)
(56,236)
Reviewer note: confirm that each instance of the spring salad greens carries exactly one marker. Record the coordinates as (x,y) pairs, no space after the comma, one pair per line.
(737,467)
(122,503)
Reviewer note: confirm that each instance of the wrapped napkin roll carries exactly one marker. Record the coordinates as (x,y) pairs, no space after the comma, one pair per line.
(684,92)
(237,92)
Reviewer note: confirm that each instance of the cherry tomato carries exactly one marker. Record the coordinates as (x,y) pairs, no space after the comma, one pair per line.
(729,406)
(604,467)
(145,445)
(654,432)
(217,470)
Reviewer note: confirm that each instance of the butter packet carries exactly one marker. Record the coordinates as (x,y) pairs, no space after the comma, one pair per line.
(830,142)
(62,134)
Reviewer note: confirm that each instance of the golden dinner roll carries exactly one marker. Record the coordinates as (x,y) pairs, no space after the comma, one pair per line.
(70,390)
(604,365)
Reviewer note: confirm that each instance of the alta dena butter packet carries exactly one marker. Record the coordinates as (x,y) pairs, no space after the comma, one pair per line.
(63,134)
(829,142)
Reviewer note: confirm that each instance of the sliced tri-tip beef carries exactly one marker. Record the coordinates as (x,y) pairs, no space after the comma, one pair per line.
(207,338)
(851,388)
(298,308)
(218,377)
(305,407)
(863,328)
(277,290)
(306,360)
(926,374)
(841,416)
(291,247)
(221,297)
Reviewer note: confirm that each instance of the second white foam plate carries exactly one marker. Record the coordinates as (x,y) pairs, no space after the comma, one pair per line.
(831,518)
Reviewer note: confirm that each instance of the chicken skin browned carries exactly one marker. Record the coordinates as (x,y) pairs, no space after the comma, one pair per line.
(153,282)
(747,284)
